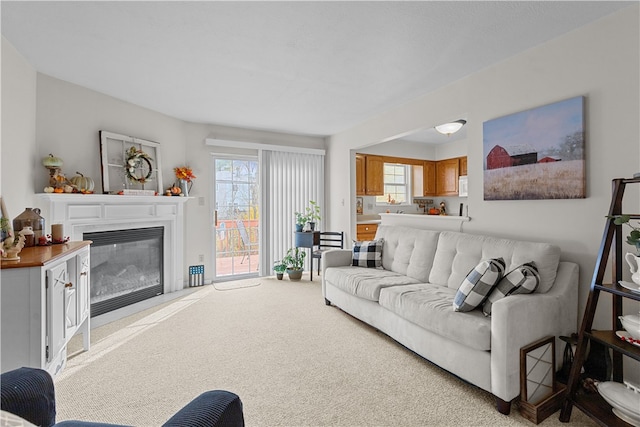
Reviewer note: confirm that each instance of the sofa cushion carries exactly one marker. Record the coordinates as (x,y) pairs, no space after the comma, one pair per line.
(523,279)
(458,253)
(364,282)
(478,284)
(408,251)
(429,306)
(368,254)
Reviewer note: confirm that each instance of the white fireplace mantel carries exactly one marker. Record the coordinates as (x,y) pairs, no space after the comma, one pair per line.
(85,213)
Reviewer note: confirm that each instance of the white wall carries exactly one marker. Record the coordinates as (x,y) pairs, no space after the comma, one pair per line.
(599,61)
(18,150)
(69,118)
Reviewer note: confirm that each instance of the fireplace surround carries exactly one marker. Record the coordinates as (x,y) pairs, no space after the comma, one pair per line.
(91,213)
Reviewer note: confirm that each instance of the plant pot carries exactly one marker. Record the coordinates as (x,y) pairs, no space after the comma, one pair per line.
(294,275)
(299,227)
(312,225)
(184,186)
(279,276)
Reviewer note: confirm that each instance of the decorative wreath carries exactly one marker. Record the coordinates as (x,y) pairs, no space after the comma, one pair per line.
(135,159)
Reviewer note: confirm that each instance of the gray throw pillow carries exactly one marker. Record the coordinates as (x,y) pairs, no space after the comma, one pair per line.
(478,284)
(523,279)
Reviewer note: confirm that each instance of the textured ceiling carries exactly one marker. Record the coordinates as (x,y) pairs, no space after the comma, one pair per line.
(314,68)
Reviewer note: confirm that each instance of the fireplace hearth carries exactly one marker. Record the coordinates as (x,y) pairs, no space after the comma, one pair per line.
(84,214)
(126,267)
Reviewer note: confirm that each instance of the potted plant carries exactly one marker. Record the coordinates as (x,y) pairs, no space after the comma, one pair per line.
(279,267)
(634,236)
(301,220)
(294,263)
(313,214)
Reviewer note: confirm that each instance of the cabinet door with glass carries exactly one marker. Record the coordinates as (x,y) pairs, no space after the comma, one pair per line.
(84,297)
(56,309)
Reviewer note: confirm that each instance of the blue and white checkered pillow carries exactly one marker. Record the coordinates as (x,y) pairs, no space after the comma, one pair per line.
(478,284)
(368,254)
(521,280)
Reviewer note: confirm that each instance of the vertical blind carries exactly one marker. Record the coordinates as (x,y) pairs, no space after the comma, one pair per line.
(290,180)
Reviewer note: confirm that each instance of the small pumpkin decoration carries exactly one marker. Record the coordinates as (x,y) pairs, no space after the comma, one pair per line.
(52,162)
(83,183)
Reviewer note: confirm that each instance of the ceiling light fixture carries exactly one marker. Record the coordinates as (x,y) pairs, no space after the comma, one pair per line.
(452,127)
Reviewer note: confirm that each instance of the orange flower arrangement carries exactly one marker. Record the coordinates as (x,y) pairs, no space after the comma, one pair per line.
(185,173)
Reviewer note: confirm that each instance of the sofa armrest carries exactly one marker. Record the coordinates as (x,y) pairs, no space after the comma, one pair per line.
(29,394)
(216,408)
(335,258)
(519,320)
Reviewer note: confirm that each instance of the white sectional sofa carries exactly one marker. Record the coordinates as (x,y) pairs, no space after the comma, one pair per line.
(411,300)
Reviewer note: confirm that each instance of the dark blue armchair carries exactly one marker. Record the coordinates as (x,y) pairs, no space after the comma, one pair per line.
(29,393)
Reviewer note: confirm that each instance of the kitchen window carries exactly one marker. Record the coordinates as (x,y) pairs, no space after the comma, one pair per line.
(397,181)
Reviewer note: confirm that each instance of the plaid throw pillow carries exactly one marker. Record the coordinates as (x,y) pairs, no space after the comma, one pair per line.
(521,280)
(368,254)
(478,284)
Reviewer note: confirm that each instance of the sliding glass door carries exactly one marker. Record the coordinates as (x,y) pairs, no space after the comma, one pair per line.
(236,216)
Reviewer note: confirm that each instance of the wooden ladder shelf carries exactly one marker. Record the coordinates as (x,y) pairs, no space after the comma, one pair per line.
(593,404)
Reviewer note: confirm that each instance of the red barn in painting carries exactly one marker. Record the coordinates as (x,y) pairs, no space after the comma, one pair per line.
(549,159)
(513,155)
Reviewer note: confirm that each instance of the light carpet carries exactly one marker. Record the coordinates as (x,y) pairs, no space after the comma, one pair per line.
(292,360)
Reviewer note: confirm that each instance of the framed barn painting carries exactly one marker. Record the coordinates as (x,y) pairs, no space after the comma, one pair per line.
(536,154)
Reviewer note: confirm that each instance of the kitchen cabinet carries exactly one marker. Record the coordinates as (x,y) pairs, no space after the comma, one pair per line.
(360,175)
(463,166)
(374,175)
(45,301)
(447,174)
(429,178)
(439,178)
(369,175)
(366,231)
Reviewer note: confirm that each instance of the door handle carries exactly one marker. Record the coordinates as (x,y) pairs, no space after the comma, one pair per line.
(68,285)
(215,217)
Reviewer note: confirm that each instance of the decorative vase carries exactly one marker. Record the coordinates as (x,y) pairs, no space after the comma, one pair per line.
(312,225)
(279,276)
(184,187)
(634,265)
(294,275)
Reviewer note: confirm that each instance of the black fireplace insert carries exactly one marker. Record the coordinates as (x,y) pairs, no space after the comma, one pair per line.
(126,267)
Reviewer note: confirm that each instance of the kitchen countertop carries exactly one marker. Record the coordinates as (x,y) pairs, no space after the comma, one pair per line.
(427,222)
(368,219)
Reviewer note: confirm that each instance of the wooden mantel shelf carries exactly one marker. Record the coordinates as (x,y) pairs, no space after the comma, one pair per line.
(37,256)
(109,198)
